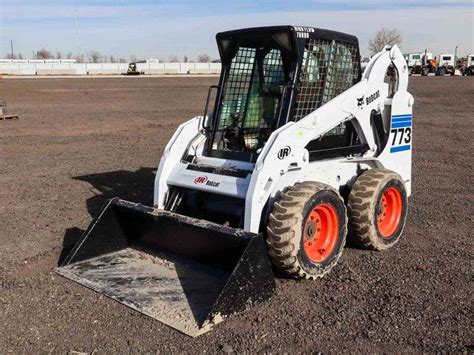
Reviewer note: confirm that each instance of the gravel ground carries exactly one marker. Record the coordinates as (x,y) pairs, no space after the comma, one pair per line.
(81,141)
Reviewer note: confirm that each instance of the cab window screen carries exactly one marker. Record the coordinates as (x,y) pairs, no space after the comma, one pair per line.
(237,85)
(250,104)
(328,69)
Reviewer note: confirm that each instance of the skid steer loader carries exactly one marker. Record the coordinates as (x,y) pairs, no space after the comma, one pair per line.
(298,148)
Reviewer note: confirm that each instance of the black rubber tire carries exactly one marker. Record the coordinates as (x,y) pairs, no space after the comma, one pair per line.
(362,207)
(285,229)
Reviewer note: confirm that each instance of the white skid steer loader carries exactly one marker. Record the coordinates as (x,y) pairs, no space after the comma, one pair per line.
(300,150)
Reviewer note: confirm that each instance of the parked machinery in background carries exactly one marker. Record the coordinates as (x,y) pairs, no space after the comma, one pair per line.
(429,64)
(414,63)
(133,70)
(364,62)
(447,64)
(469,69)
(421,63)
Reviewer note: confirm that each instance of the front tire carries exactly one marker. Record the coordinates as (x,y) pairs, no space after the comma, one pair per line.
(377,209)
(307,230)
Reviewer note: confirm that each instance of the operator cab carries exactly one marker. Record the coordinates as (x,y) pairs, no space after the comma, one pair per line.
(272,75)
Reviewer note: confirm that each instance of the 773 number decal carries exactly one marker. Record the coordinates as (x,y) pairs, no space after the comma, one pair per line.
(403,134)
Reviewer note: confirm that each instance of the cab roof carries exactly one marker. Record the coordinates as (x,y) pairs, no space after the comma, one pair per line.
(313,32)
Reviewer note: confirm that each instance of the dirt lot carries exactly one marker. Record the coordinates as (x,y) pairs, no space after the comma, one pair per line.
(81,141)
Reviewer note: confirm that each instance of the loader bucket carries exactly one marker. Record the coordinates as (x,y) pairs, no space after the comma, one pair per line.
(185,272)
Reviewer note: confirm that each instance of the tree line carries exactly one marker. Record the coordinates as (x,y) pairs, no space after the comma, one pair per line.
(381,38)
(95,56)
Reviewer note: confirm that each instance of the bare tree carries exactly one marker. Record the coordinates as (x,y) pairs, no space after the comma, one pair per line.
(79,58)
(385,37)
(69,55)
(11,56)
(122,60)
(204,58)
(59,55)
(112,59)
(173,59)
(185,59)
(43,54)
(93,56)
(133,58)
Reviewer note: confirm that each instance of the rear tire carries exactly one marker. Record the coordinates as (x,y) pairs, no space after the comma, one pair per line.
(377,209)
(307,230)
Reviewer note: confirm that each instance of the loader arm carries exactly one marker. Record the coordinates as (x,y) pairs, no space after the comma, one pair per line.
(172,154)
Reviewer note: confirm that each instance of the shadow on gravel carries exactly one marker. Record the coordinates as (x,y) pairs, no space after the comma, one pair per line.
(134,186)
(71,237)
(350,245)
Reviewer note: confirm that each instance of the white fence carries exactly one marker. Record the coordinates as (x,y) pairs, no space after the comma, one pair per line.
(106,68)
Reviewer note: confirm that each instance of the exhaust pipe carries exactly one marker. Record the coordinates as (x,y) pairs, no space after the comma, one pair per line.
(185,272)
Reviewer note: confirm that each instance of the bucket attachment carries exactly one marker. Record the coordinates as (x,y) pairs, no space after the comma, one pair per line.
(185,272)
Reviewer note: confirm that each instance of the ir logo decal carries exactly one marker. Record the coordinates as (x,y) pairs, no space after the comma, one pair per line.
(284,152)
(201,180)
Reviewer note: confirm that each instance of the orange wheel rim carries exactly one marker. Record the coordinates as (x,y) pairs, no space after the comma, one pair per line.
(320,232)
(389,212)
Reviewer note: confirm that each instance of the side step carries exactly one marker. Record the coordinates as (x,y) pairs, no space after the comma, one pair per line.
(187,273)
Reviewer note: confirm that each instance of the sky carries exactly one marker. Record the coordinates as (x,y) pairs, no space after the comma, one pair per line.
(161,28)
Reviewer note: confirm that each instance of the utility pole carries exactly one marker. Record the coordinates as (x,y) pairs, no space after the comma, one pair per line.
(77,30)
(11,45)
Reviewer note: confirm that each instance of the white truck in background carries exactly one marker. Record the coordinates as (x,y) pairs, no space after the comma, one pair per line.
(469,69)
(447,64)
(421,63)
